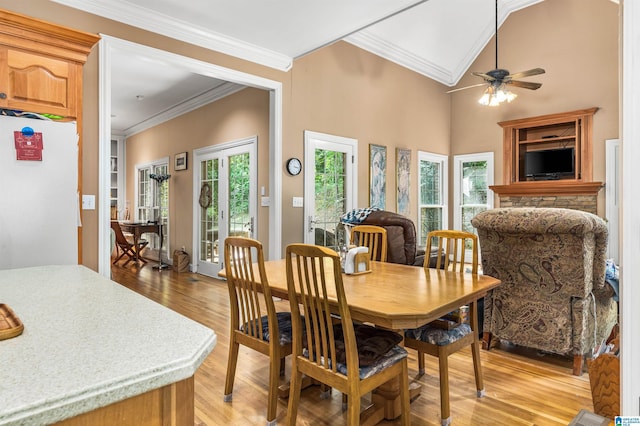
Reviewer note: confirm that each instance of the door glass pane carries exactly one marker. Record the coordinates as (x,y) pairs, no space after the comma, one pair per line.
(474,182)
(474,191)
(330,195)
(239,181)
(431,209)
(144,194)
(161,206)
(209,226)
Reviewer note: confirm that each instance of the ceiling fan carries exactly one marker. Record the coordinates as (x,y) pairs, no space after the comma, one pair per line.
(498,79)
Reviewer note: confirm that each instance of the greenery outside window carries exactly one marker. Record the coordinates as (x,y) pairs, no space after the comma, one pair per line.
(433,211)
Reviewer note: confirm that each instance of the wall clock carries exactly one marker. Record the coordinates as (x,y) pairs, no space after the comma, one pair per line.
(294,166)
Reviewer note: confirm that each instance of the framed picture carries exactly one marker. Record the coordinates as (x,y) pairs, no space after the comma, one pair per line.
(181,161)
(403,180)
(377,176)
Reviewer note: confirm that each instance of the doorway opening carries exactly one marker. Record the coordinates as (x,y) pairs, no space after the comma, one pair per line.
(110,44)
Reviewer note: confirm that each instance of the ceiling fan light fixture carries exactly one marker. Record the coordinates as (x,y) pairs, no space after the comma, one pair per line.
(495,96)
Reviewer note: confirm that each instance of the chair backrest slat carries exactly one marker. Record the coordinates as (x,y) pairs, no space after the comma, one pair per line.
(314,280)
(371,236)
(248,294)
(451,250)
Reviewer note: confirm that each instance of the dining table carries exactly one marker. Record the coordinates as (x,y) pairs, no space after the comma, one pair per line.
(139,228)
(395,297)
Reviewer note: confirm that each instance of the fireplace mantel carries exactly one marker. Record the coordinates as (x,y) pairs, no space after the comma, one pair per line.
(551,188)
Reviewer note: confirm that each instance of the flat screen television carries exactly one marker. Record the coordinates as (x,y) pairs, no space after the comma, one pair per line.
(550,163)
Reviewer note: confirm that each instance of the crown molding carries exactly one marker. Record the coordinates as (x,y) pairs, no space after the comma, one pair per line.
(189,105)
(391,52)
(125,12)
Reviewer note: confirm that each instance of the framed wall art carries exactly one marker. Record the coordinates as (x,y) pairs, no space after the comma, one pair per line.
(181,161)
(403,180)
(377,176)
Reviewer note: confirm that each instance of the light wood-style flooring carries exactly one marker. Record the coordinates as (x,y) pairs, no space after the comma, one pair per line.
(522,387)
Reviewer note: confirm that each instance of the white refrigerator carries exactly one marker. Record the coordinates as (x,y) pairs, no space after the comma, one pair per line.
(39,208)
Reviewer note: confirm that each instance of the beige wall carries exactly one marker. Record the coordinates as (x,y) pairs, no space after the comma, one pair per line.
(238,116)
(55,13)
(578,48)
(345,91)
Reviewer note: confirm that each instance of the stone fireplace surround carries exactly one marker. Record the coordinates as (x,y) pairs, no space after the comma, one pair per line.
(563,194)
(587,203)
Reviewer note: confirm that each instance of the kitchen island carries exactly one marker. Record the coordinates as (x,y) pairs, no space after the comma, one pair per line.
(94,352)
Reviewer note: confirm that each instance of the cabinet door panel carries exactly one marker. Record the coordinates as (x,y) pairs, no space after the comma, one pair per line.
(40,84)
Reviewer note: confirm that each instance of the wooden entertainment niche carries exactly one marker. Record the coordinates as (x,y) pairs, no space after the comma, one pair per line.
(548,132)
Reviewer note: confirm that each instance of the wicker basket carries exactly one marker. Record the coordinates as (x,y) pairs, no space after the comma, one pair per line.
(604,377)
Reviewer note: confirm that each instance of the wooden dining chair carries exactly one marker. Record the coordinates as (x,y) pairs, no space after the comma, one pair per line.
(371,236)
(126,246)
(324,346)
(266,332)
(451,333)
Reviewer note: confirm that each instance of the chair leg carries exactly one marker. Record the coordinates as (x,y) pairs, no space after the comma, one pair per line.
(420,363)
(231,370)
(274,375)
(282,366)
(445,413)
(477,367)
(404,394)
(294,394)
(353,410)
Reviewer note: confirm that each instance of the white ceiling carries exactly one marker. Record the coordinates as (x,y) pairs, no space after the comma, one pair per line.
(437,38)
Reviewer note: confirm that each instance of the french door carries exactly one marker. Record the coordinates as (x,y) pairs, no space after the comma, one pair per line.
(330,185)
(225,200)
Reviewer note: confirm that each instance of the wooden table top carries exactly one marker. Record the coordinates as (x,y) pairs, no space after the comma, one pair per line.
(398,296)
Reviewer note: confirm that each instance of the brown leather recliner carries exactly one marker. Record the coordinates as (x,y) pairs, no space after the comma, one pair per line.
(401,237)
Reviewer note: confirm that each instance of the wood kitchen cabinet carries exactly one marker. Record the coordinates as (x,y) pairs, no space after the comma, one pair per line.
(38,83)
(41,66)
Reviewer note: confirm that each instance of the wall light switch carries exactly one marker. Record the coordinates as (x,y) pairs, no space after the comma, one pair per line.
(88,202)
(298,201)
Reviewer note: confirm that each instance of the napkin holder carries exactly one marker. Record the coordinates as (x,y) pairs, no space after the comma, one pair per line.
(357,261)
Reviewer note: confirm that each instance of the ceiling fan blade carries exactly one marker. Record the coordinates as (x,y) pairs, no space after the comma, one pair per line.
(487,77)
(528,73)
(466,87)
(524,84)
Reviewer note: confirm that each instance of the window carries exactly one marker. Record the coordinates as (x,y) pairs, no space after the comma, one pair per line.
(473,174)
(433,192)
(152,199)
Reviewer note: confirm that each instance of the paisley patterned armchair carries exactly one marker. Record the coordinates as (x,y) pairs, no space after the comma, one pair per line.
(553,296)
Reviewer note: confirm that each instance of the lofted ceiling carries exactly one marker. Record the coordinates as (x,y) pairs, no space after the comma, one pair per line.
(436,38)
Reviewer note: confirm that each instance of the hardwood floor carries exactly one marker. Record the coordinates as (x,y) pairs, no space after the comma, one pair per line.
(522,387)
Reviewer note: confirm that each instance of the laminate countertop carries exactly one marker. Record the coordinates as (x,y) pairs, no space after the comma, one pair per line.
(87,342)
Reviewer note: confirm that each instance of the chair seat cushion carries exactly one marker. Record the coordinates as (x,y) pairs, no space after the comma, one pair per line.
(394,355)
(429,333)
(373,343)
(284,326)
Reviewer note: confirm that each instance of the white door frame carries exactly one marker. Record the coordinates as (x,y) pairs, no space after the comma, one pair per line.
(106,45)
(457,179)
(312,140)
(201,154)
(612,197)
(630,219)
